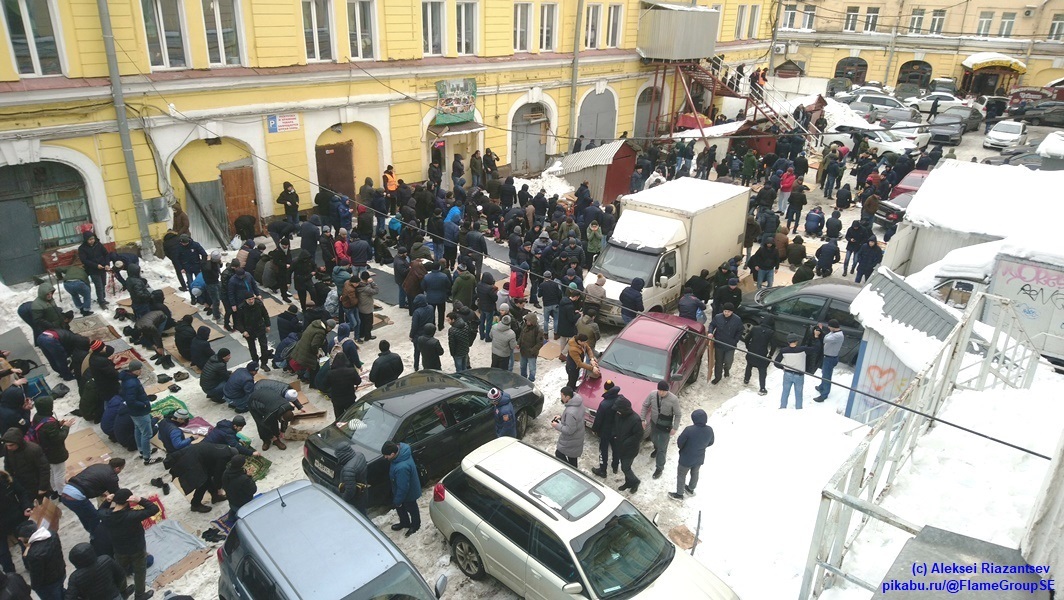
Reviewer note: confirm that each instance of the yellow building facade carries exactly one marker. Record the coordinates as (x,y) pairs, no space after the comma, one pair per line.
(228,99)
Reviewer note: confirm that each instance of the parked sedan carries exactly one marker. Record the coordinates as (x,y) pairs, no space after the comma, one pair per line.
(912,131)
(864,109)
(1024,108)
(897,115)
(1031,146)
(651,348)
(442,417)
(1006,133)
(945,100)
(799,307)
(882,141)
(1046,113)
(891,212)
(972,117)
(1031,160)
(947,129)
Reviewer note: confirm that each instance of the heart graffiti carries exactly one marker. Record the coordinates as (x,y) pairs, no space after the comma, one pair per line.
(879,378)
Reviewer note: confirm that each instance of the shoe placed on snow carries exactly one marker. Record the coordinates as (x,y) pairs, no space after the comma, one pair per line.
(762,392)
(715,380)
(615,469)
(657,473)
(280,444)
(623,487)
(265,368)
(689,489)
(180,376)
(746,382)
(599,471)
(167,362)
(183,288)
(634,488)
(411,531)
(820,398)
(200,508)
(675,495)
(152,461)
(164,378)
(399,526)
(157,482)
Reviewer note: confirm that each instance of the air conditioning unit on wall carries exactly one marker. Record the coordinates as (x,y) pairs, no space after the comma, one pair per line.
(779,49)
(1028,12)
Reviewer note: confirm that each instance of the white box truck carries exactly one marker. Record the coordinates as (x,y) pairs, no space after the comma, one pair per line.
(1032,277)
(667,234)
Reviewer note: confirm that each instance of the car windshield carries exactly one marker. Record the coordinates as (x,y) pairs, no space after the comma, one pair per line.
(946,120)
(781,293)
(636,360)
(960,111)
(368,425)
(622,554)
(397,583)
(624,265)
(1008,128)
(888,136)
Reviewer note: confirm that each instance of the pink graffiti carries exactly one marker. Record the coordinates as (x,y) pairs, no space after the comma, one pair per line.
(1033,274)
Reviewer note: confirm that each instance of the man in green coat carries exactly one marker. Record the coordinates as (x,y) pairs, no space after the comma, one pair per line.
(594,244)
(749,167)
(45,312)
(463,287)
(304,357)
(76,283)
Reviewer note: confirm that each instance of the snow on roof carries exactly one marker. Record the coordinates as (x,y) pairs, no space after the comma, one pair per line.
(687,195)
(715,131)
(975,263)
(683,7)
(836,113)
(547,181)
(649,231)
(980,60)
(969,197)
(1039,245)
(599,155)
(786,107)
(1052,146)
(915,348)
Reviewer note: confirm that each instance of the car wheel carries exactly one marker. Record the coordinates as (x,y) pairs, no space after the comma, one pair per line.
(694,374)
(1036,122)
(522,423)
(747,326)
(915,107)
(467,557)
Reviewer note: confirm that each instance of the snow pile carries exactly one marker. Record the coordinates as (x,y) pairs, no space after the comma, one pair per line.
(974,263)
(967,484)
(1041,247)
(966,196)
(716,131)
(761,487)
(786,107)
(836,114)
(913,347)
(1052,146)
(975,60)
(547,181)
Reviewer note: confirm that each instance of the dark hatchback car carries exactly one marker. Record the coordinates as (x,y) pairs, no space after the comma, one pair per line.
(1031,160)
(441,416)
(891,212)
(799,307)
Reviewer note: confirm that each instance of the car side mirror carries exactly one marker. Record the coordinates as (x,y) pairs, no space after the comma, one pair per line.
(441,586)
(663,281)
(574,589)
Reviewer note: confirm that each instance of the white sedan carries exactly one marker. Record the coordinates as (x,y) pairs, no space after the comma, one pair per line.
(944,101)
(882,140)
(1005,134)
(914,132)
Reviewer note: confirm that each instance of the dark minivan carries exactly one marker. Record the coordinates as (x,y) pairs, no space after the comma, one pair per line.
(799,307)
(302,542)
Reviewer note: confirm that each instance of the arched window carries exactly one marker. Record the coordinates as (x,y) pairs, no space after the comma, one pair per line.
(853,68)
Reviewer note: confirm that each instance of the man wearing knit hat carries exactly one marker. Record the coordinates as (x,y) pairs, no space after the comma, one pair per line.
(170,433)
(603,426)
(726,294)
(661,414)
(239,386)
(126,530)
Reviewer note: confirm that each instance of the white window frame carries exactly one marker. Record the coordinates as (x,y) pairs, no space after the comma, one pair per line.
(548,22)
(938,21)
(871,19)
(462,10)
(523,26)
(317,21)
(238,25)
(720,17)
(809,17)
(157,8)
(790,16)
(986,19)
(916,20)
(754,26)
(1008,21)
(740,21)
(353,7)
(853,14)
(1056,28)
(53,12)
(615,26)
(428,28)
(593,34)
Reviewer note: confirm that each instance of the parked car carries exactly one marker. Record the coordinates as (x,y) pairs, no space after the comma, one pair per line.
(864,109)
(947,129)
(883,141)
(912,131)
(1024,108)
(972,117)
(548,531)
(261,559)
(1049,112)
(442,417)
(910,183)
(943,84)
(649,349)
(984,102)
(1006,133)
(945,100)
(1031,160)
(851,94)
(907,90)
(891,212)
(897,115)
(1031,146)
(799,307)
(880,102)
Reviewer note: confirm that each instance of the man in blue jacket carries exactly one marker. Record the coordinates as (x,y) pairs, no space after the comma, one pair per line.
(139,405)
(505,420)
(693,441)
(437,288)
(190,255)
(406,486)
(225,431)
(239,386)
(170,433)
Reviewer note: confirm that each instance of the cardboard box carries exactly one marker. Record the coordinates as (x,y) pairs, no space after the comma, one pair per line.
(46,514)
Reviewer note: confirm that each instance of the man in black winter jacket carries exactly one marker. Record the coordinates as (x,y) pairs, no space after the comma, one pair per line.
(253,321)
(215,374)
(388,366)
(725,328)
(689,305)
(94,577)
(93,256)
(430,348)
(92,482)
(43,557)
(727,294)
(124,527)
(603,426)
(353,476)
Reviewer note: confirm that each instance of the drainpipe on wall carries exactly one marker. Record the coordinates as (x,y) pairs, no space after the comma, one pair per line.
(893,42)
(775,37)
(147,246)
(575,75)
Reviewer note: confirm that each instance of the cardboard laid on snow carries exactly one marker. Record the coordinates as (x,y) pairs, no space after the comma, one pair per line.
(181,567)
(178,306)
(215,334)
(273,306)
(550,350)
(86,448)
(171,346)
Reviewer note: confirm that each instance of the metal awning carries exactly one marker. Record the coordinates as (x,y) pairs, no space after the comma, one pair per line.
(982,60)
(678,7)
(456,129)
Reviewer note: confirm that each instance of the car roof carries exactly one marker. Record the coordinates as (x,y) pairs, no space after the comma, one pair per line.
(914,176)
(414,391)
(318,535)
(657,331)
(829,288)
(493,465)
